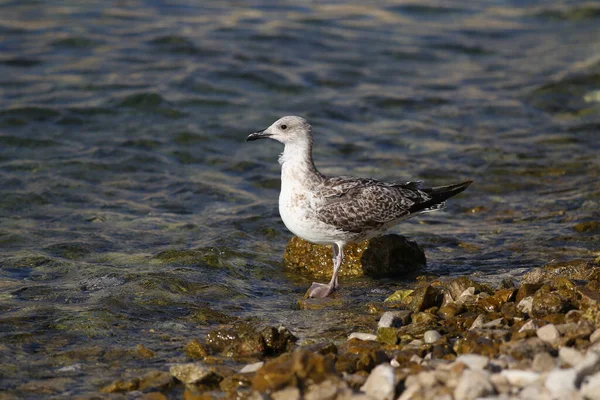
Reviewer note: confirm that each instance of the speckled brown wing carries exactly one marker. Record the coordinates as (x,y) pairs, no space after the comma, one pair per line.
(360,205)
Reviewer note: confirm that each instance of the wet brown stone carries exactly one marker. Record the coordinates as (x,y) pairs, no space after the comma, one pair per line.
(122,385)
(545,302)
(195,350)
(278,340)
(301,366)
(322,348)
(555,319)
(457,286)
(387,255)
(240,340)
(450,310)
(235,382)
(425,297)
(495,301)
(526,290)
(573,270)
(158,380)
(588,226)
(588,296)
(143,351)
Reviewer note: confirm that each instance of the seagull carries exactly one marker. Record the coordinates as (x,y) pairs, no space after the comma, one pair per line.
(338,210)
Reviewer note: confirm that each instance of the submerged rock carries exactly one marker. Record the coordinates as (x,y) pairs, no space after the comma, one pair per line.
(384,256)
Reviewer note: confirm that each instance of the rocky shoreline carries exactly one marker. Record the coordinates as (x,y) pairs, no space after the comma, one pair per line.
(445,339)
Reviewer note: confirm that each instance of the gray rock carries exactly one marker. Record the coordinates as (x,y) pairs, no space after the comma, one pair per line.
(380,383)
(548,333)
(362,336)
(190,373)
(496,323)
(570,356)
(590,388)
(520,378)
(431,336)
(394,319)
(543,362)
(561,382)
(473,361)
(473,384)
(249,368)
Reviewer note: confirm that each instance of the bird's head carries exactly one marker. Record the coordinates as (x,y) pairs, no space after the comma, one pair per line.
(287,130)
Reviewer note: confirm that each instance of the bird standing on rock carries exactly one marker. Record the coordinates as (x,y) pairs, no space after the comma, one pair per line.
(340,209)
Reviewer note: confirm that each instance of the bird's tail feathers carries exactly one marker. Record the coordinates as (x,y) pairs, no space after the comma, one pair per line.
(439,195)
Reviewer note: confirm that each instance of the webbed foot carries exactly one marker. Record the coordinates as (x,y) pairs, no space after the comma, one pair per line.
(319,290)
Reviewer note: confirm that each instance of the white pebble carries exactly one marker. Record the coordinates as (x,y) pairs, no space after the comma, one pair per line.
(393,318)
(570,356)
(520,378)
(472,385)
(249,368)
(530,325)
(478,323)
(431,336)
(548,333)
(380,383)
(595,336)
(590,388)
(561,382)
(362,336)
(473,361)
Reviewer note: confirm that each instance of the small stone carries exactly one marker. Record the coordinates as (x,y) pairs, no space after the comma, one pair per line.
(362,336)
(126,385)
(473,361)
(520,378)
(387,335)
(289,393)
(570,356)
(380,383)
(543,362)
(590,388)
(190,373)
(500,383)
(561,382)
(525,305)
(589,364)
(595,336)
(427,378)
(473,384)
(394,319)
(530,325)
(425,297)
(431,336)
(250,368)
(496,323)
(478,323)
(548,333)
(328,389)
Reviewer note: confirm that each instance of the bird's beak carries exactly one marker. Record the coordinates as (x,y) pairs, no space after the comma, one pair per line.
(258,135)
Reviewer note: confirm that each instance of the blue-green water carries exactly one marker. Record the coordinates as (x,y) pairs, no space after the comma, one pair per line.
(122,128)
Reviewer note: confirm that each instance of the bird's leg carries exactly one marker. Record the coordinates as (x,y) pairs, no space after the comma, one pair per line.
(321,290)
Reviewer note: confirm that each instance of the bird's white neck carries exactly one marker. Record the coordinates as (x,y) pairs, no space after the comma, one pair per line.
(297,164)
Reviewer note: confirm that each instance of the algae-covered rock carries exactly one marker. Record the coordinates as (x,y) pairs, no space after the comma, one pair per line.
(589,226)
(195,350)
(385,256)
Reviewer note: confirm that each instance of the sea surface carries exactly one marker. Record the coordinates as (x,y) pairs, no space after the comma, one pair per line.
(132,212)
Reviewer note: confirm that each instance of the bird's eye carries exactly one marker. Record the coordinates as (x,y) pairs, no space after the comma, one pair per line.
(284,127)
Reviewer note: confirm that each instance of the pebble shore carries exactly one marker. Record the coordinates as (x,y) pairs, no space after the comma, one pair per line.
(445,339)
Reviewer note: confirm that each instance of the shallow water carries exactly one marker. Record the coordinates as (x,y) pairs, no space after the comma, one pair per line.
(122,132)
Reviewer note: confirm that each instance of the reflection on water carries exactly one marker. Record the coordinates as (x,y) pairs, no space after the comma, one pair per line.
(131,210)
